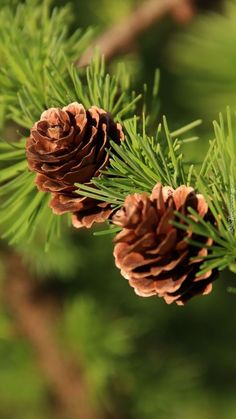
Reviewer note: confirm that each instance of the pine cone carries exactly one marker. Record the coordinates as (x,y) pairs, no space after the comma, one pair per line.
(153,254)
(67,146)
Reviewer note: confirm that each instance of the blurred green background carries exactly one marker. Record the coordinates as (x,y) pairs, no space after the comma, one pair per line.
(142,359)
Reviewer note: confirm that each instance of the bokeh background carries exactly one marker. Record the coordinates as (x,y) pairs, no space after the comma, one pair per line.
(139,358)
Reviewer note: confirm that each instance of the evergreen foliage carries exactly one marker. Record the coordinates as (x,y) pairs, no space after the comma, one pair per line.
(217,181)
(40,69)
(142,161)
(142,359)
(26,92)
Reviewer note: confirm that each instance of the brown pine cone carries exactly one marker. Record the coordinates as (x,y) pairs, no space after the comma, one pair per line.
(67,146)
(153,254)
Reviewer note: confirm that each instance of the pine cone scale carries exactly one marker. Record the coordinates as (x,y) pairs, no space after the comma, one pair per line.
(164,225)
(166,245)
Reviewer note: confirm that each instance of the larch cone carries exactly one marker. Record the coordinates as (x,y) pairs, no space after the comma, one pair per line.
(68,146)
(154,255)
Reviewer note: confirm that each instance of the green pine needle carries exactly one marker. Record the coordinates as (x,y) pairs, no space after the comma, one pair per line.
(139,163)
(38,73)
(217,182)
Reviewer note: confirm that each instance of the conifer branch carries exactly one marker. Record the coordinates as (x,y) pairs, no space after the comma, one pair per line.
(141,161)
(100,146)
(56,82)
(217,182)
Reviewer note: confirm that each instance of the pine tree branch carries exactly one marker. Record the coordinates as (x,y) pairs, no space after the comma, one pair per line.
(33,320)
(121,36)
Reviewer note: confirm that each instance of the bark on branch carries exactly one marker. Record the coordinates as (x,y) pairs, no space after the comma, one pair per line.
(33,320)
(121,36)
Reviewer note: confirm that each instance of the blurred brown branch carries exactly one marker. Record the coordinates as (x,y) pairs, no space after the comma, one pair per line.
(120,37)
(33,319)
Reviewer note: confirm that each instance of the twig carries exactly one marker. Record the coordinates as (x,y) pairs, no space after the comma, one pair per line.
(32,318)
(121,36)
